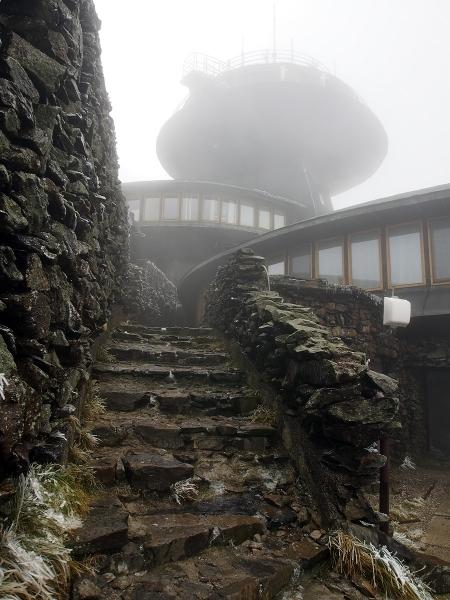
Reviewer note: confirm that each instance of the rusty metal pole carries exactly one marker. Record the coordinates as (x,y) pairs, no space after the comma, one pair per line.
(384,482)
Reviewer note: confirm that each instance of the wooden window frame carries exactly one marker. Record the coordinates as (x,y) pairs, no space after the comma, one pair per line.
(431,261)
(389,228)
(251,205)
(280,214)
(236,204)
(378,232)
(143,203)
(266,209)
(342,242)
(291,255)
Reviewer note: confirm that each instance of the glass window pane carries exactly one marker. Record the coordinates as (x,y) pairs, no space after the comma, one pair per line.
(365,260)
(330,262)
(301,263)
(189,208)
(134,209)
(264,219)
(278,221)
(247,215)
(405,253)
(170,208)
(229,212)
(440,248)
(210,211)
(277,268)
(151,209)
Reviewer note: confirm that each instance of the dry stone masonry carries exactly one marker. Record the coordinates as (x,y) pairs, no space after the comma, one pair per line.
(63,228)
(334,406)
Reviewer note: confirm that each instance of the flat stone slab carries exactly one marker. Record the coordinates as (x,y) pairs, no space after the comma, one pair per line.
(150,471)
(104,530)
(175,536)
(159,372)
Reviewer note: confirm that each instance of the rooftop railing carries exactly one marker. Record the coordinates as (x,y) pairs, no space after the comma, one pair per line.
(213,66)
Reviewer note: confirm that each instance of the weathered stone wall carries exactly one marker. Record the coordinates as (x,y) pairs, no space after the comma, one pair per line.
(151,298)
(334,407)
(357,318)
(63,226)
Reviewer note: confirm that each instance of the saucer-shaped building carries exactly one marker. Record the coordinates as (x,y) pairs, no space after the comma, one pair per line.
(262,141)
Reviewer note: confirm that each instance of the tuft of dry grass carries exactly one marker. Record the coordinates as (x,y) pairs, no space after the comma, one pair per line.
(378,566)
(47,505)
(104,356)
(268,415)
(186,490)
(94,405)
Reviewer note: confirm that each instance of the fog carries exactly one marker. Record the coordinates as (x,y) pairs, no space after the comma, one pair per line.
(394,53)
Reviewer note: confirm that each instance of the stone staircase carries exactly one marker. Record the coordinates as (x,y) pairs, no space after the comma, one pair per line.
(197,499)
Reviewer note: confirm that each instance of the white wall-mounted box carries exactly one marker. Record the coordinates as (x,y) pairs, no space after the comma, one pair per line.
(397,312)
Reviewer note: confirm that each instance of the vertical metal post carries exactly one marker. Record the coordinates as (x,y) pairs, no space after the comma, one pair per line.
(384,482)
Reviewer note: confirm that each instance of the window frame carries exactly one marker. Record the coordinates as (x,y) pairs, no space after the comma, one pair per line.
(236,207)
(377,231)
(248,204)
(431,259)
(143,207)
(342,241)
(171,197)
(291,255)
(389,228)
(185,197)
(205,198)
(278,214)
(266,209)
(281,258)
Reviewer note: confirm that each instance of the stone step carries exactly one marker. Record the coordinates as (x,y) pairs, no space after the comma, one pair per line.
(151,471)
(162,373)
(163,339)
(145,352)
(218,473)
(174,331)
(130,393)
(218,573)
(202,433)
(171,537)
(105,529)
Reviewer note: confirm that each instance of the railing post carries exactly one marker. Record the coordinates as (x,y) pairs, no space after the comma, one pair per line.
(384,482)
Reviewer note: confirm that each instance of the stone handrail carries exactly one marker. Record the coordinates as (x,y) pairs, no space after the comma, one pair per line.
(333,406)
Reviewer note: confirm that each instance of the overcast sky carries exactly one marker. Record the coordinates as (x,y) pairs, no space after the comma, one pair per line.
(394,53)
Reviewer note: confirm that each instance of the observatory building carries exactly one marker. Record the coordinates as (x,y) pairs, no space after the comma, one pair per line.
(262,141)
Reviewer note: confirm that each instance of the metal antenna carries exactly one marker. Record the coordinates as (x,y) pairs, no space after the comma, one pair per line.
(274,33)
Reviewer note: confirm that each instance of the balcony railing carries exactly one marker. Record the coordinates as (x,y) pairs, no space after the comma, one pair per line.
(213,66)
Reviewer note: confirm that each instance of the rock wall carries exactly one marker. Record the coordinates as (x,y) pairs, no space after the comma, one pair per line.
(334,407)
(151,298)
(63,228)
(356,317)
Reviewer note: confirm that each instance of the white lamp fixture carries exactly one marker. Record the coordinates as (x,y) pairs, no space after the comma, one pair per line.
(397,312)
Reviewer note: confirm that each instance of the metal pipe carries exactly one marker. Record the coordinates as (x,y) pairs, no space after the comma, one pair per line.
(384,482)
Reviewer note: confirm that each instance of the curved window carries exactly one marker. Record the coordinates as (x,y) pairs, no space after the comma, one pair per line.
(247,215)
(405,255)
(189,208)
(330,261)
(365,263)
(264,219)
(152,207)
(440,249)
(210,209)
(229,212)
(301,262)
(278,221)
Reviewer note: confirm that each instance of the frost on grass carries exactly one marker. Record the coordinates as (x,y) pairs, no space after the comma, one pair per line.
(264,414)
(408,464)
(47,505)
(377,565)
(185,491)
(3,384)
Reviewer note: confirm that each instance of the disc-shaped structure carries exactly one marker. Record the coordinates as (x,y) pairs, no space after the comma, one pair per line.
(287,128)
